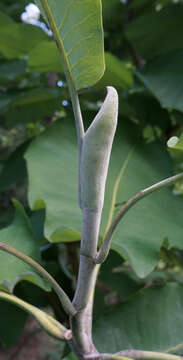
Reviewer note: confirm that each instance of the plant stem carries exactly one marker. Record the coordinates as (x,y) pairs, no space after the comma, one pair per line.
(48,323)
(65,301)
(81,323)
(105,247)
(146,355)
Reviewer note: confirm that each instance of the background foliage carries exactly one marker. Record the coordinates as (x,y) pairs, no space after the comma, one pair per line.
(141,282)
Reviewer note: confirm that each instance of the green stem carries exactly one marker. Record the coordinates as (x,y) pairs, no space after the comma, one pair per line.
(65,301)
(146,355)
(68,74)
(47,322)
(105,247)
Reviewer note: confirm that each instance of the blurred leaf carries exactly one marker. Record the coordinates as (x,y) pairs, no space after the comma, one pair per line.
(163,76)
(80,31)
(111,10)
(5,19)
(14,170)
(11,70)
(148,110)
(157,32)
(145,322)
(115,276)
(12,323)
(17,40)
(116,74)
(34,105)
(19,235)
(45,57)
(134,165)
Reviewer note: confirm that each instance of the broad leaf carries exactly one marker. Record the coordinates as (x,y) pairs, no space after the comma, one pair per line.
(77,27)
(34,105)
(145,322)
(18,40)
(116,74)
(19,235)
(163,77)
(44,57)
(165,36)
(59,192)
(134,165)
(12,70)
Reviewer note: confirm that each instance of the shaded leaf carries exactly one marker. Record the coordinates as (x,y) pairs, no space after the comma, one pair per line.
(145,322)
(14,170)
(19,235)
(163,77)
(18,40)
(12,323)
(116,74)
(12,70)
(165,36)
(45,57)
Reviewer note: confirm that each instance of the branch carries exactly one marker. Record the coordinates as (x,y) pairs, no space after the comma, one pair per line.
(105,247)
(65,301)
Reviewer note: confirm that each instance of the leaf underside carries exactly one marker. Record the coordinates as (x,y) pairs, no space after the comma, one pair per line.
(78,25)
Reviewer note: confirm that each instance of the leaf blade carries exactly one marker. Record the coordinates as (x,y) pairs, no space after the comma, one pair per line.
(77,28)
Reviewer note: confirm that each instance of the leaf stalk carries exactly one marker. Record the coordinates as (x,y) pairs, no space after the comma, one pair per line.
(65,301)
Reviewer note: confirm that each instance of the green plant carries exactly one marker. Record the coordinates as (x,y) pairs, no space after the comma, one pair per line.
(94,152)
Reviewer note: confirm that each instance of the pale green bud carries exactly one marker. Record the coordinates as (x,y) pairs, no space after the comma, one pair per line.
(96,150)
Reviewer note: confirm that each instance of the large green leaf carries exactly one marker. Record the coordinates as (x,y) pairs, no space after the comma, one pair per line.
(157,32)
(44,57)
(146,322)
(58,147)
(116,74)
(19,235)
(134,166)
(77,27)
(18,40)
(52,168)
(163,77)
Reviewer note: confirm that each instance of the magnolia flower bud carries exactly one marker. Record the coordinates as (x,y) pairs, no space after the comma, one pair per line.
(96,150)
